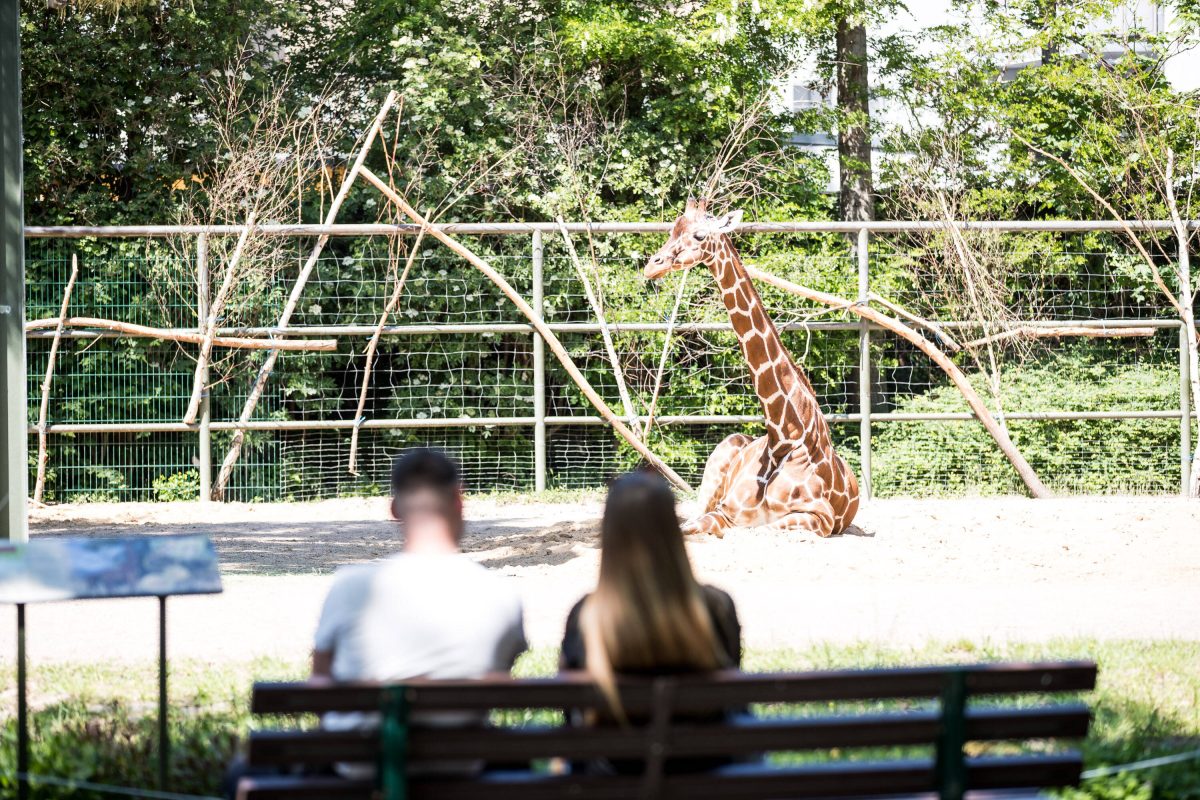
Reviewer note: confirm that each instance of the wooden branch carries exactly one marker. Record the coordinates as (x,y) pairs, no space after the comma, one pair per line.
(44,411)
(605,333)
(662,361)
(900,311)
(373,345)
(228,279)
(264,372)
(1030,478)
(166,334)
(1042,332)
(535,320)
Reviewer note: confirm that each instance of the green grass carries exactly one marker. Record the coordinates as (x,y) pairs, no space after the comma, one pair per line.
(96,721)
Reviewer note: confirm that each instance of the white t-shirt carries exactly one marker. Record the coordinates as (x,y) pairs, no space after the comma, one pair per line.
(427,616)
(417,616)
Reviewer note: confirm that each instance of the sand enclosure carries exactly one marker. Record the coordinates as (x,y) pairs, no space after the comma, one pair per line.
(978,568)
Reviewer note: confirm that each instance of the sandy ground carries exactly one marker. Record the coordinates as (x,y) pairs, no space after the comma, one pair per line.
(912,570)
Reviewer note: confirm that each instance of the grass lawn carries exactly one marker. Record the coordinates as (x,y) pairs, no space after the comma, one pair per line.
(95,722)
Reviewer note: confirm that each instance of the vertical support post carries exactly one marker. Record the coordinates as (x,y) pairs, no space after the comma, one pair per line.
(539,373)
(22,709)
(393,767)
(14,416)
(951,761)
(864,368)
(202,302)
(164,741)
(1185,413)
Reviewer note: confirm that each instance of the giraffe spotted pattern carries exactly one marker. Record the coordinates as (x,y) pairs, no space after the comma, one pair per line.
(791,478)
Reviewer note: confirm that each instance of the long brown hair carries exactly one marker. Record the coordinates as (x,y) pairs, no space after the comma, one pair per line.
(647,613)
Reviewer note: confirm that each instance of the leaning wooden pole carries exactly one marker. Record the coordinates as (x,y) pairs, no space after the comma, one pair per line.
(605,332)
(536,321)
(44,411)
(264,372)
(228,279)
(373,345)
(978,407)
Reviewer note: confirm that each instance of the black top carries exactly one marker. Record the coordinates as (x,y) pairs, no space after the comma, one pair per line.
(720,609)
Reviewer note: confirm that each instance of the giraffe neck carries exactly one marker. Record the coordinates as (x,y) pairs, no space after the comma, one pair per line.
(789,403)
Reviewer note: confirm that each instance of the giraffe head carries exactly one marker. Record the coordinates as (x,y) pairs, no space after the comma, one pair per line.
(693,239)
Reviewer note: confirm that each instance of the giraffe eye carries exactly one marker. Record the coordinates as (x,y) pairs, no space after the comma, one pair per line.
(699,236)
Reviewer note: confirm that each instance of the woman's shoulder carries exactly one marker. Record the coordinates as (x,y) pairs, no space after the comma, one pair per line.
(573,614)
(716,599)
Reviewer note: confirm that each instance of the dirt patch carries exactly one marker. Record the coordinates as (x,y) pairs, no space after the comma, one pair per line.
(979,568)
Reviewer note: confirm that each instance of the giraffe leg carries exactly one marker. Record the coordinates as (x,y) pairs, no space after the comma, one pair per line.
(714,522)
(716,469)
(817,522)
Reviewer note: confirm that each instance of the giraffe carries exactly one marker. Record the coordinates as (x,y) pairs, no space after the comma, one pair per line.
(791,478)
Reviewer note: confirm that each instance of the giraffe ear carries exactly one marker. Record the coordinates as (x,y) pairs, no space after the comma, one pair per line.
(726,223)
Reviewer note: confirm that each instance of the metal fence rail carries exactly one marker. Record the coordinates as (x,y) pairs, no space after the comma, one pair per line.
(858,412)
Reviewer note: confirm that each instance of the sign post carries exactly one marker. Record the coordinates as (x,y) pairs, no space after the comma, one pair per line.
(60,569)
(14,437)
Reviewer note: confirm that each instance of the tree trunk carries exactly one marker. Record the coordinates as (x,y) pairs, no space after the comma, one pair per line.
(854,122)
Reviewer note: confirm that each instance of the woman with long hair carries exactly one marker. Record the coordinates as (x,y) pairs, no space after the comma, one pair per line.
(648,614)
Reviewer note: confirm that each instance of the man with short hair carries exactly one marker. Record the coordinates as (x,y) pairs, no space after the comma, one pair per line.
(427,612)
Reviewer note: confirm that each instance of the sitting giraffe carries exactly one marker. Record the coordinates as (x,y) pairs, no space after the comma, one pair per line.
(790,479)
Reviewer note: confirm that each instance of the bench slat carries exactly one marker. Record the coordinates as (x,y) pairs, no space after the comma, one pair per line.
(756,782)
(744,735)
(695,694)
(297,788)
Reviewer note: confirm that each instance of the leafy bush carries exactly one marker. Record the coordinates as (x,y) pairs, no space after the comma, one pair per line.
(177,486)
(929,458)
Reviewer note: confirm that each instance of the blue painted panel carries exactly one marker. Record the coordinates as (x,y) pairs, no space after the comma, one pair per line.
(45,570)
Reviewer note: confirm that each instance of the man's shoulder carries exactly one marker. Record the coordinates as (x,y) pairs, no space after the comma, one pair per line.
(449,569)
(353,577)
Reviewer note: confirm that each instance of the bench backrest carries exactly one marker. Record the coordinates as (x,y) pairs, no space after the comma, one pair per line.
(681,717)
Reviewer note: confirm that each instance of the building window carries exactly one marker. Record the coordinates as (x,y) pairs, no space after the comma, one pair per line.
(806,98)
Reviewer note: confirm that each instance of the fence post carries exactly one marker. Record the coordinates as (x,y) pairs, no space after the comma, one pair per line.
(539,374)
(864,368)
(202,297)
(1185,413)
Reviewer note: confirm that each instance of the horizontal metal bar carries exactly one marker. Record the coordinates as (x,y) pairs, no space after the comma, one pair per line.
(584,327)
(568,421)
(523,228)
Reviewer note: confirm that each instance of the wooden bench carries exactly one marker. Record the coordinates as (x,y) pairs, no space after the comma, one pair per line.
(939,715)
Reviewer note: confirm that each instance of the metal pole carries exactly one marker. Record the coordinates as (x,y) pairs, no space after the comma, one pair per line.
(22,709)
(14,447)
(539,373)
(864,368)
(164,741)
(202,300)
(1185,413)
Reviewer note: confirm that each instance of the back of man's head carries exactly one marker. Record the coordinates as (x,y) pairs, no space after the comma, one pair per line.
(427,496)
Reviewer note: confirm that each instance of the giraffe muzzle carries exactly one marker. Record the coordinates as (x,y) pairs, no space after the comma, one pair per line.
(656,267)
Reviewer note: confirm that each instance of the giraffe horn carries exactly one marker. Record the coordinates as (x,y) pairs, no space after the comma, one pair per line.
(702,205)
(691,203)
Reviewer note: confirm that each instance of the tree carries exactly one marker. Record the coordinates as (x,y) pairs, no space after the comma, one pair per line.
(856,194)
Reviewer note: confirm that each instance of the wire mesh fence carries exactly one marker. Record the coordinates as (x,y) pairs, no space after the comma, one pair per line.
(458,366)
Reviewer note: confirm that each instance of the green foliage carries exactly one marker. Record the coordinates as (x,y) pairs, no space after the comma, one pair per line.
(177,486)
(1081,456)
(113,102)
